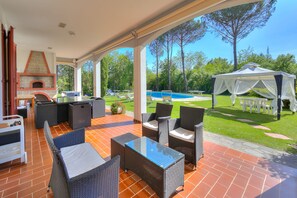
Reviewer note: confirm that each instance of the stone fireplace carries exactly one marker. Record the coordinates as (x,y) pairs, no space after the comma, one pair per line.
(37,78)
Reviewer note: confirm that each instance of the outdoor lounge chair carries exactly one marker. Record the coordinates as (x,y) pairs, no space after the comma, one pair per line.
(154,125)
(78,170)
(149,98)
(121,97)
(166,96)
(130,97)
(186,133)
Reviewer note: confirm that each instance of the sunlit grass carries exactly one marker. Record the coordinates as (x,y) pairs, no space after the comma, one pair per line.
(216,122)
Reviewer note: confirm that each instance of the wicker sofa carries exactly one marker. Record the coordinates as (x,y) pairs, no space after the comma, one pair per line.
(78,170)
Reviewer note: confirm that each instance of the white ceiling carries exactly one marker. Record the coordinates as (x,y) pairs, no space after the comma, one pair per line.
(94,22)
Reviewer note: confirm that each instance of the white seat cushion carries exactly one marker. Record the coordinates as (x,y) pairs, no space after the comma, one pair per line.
(183,134)
(153,125)
(80,158)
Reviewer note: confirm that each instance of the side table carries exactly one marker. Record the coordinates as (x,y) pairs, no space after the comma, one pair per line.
(118,146)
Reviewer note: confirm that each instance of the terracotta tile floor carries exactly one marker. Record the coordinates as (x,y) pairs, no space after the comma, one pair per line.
(223,172)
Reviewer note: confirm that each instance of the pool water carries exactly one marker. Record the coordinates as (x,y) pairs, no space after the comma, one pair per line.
(159,94)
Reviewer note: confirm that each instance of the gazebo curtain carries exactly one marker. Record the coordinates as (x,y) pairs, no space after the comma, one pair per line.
(235,87)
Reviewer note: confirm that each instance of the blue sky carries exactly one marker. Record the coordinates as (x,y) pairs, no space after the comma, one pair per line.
(279,34)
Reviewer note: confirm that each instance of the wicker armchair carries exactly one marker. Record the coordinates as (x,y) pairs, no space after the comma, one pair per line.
(78,170)
(154,125)
(186,133)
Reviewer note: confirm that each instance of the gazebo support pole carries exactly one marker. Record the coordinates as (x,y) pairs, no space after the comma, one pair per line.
(279,83)
(213,80)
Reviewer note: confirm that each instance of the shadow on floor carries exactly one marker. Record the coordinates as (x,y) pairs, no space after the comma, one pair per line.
(287,189)
(114,124)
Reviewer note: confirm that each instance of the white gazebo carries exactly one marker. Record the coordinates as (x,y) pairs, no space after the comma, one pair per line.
(271,84)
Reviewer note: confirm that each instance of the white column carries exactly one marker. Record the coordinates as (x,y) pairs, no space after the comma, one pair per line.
(97,78)
(77,78)
(139,82)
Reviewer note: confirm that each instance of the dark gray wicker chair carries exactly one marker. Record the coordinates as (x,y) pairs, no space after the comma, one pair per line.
(79,115)
(45,111)
(78,170)
(186,133)
(154,125)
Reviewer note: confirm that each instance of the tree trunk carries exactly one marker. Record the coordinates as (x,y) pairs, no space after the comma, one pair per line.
(235,52)
(169,66)
(184,70)
(157,73)
(170,61)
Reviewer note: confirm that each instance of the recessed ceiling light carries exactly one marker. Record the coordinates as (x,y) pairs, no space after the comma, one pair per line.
(71,33)
(49,48)
(62,25)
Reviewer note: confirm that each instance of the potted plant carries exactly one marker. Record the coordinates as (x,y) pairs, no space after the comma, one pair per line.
(117,108)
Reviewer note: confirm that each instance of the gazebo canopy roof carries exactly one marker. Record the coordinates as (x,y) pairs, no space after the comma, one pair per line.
(253,71)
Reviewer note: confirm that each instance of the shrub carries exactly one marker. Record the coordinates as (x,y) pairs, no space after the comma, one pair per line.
(116,106)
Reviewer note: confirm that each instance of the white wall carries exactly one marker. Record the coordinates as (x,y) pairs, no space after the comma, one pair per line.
(23,55)
(51,61)
(22,58)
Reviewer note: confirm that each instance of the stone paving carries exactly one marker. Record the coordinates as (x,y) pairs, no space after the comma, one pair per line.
(245,120)
(278,136)
(253,149)
(261,127)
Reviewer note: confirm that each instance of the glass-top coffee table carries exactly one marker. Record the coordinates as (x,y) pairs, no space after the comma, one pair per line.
(161,167)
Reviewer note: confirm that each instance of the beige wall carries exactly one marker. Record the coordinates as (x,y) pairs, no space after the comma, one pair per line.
(23,55)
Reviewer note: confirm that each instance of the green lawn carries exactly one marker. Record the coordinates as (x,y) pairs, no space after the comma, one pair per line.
(216,122)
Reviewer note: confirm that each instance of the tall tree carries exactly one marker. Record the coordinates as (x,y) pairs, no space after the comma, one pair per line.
(217,66)
(286,63)
(167,40)
(120,72)
(65,78)
(104,75)
(185,34)
(235,23)
(247,55)
(87,78)
(156,49)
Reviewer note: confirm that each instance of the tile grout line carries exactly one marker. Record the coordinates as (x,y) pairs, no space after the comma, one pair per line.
(246,186)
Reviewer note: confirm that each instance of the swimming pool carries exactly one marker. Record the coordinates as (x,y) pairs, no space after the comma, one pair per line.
(158,94)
